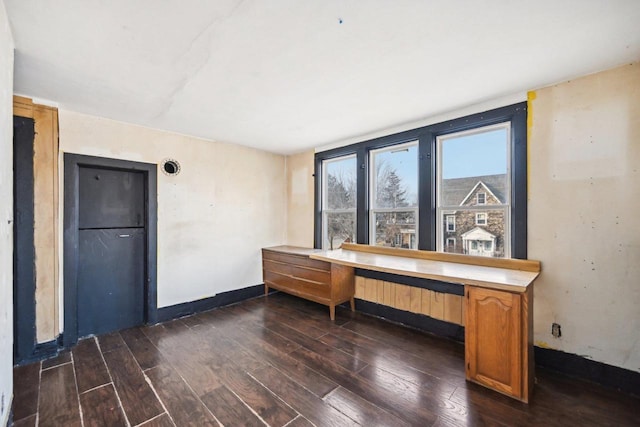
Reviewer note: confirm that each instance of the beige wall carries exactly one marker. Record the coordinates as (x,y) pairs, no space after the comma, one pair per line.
(300,194)
(584,199)
(6,216)
(225,204)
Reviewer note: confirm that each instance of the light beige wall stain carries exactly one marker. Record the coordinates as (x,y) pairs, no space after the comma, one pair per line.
(583,201)
(531,96)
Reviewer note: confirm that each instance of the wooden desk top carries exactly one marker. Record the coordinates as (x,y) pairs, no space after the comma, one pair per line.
(295,250)
(453,272)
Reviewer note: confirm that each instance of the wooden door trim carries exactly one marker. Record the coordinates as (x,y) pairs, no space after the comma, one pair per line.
(23,107)
(45,223)
(72,164)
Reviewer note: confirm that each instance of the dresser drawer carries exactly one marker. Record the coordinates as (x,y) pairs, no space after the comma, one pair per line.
(297,271)
(299,260)
(297,285)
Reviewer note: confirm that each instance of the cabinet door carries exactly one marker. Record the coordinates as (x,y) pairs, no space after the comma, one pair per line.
(493,340)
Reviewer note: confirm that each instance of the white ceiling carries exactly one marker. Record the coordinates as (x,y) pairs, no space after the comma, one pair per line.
(288,75)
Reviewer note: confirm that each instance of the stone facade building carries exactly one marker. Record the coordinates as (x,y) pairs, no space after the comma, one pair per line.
(467,229)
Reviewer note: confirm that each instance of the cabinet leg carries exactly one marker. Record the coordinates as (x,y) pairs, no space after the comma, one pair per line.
(266,290)
(352,303)
(332,312)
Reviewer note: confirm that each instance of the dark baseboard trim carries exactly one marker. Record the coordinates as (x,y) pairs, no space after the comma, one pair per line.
(416,282)
(418,321)
(579,367)
(219,300)
(41,351)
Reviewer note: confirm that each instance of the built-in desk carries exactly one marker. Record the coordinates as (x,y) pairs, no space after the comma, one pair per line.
(498,306)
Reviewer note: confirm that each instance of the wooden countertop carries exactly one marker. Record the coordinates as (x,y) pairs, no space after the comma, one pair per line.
(296,250)
(507,279)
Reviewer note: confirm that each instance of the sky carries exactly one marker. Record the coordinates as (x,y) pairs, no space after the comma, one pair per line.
(462,156)
(475,155)
(404,160)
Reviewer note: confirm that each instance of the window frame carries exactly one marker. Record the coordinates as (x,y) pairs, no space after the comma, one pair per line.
(451,239)
(478,214)
(447,223)
(427,222)
(484,198)
(479,209)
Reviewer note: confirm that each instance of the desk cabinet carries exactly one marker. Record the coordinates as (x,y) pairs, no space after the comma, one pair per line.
(289,269)
(498,303)
(498,340)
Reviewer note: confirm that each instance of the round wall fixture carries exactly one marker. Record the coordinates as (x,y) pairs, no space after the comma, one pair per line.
(170,167)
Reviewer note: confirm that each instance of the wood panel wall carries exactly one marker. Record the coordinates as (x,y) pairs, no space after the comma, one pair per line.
(46,235)
(438,305)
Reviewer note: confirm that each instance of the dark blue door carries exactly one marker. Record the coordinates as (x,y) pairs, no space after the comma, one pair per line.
(111,240)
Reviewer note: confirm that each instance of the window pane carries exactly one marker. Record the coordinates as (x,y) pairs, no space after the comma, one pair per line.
(395,178)
(451,222)
(397,229)
(474,186)
(340,228)
(340,183)
(473,164)
(481,219)
(472,239)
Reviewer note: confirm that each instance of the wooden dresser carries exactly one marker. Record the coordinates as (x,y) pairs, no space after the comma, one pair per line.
(289,269)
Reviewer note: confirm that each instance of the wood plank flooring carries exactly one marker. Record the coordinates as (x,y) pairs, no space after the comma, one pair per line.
(280,361)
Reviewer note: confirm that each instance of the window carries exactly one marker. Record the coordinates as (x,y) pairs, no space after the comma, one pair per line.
(481,219)
(444,175)
(451,244)
(394,196)
(481,198)
(338,201)
(471,164)
(451,223)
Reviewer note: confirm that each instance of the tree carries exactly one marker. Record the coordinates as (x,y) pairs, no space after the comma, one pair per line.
(338,194)
(390,193)
(341,192)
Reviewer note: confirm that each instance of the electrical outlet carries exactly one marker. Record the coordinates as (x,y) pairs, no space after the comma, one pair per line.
(555,330)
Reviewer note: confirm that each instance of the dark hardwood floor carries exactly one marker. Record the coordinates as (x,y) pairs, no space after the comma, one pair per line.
(280,361)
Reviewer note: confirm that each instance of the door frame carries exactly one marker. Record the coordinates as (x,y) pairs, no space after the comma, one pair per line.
(72,165)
